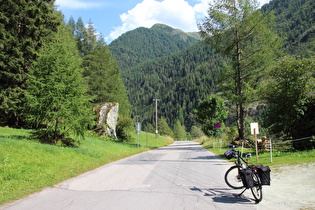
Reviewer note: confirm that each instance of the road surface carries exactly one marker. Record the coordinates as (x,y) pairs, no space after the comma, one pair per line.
(183,175)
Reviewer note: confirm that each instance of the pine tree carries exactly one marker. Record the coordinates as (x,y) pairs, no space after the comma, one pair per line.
(100,69)
(23,26)
(104,79)
(57,103)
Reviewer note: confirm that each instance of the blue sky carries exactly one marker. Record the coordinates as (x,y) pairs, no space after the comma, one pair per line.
(112,18)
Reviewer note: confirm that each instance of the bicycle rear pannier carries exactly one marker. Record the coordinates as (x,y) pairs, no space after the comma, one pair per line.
(247,178)
(264,174)
(229,154)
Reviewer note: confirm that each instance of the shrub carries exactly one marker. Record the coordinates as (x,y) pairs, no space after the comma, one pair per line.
(124,130)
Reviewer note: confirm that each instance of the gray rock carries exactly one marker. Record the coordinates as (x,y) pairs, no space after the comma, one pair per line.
(107,120)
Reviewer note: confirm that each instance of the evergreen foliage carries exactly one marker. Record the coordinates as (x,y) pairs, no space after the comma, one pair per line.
(180,81)
(100,69)
(295,22)
(104,79)
(23,26)
(142,44)
(56,101)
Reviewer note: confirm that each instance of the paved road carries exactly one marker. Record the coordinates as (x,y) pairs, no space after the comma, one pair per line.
(181,176)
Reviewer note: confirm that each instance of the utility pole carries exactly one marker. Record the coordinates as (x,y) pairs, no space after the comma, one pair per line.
(156,118)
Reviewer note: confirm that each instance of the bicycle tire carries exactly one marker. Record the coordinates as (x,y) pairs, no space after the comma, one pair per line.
(233,179)
(257,189)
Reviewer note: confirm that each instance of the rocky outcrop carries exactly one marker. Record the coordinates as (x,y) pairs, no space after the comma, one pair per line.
(107,119)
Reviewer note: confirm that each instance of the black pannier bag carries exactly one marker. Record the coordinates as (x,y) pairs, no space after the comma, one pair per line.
(229,154)
(264,174)
(247,178)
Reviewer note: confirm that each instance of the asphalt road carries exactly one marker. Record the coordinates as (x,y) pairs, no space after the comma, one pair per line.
(181,176)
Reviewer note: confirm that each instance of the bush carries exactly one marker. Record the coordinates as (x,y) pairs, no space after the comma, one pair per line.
(124,129)
(303,145)
(50,137)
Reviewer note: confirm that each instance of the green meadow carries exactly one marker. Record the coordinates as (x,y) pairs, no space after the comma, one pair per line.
(27,166)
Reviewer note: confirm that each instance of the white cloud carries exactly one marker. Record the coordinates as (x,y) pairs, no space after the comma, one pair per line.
(175,13)
(76,4)
(262,2)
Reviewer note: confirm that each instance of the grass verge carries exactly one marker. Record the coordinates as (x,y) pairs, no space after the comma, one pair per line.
(279,158)
(28,166)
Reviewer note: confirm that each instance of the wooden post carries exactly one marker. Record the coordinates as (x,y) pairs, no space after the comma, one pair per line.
(270,151)
(256,144)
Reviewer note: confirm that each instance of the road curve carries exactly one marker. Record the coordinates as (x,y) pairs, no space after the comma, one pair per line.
(180,176)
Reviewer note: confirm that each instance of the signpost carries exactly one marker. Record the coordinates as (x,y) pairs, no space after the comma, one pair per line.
(254,131)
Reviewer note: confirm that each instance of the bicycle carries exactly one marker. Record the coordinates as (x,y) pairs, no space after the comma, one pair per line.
(242,175)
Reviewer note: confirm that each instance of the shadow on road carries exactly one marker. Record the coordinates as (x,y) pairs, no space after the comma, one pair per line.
(223,195)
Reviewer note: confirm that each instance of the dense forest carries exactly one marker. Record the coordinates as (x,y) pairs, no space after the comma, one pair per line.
(184,78)
(295,23)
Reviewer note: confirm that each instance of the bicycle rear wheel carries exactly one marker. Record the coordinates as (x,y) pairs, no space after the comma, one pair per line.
(233,178)
(257,189)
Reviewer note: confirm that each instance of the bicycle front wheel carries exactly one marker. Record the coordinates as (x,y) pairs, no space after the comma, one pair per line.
(233,178)
(257,189)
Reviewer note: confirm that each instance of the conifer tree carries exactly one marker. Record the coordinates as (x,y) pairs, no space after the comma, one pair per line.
(100,69)
(23,26)
(238,30)
(104,79)
(57,103)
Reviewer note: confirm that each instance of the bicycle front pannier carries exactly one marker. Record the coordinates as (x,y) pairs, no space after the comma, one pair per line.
(229,154)
(264,174)
(247,178)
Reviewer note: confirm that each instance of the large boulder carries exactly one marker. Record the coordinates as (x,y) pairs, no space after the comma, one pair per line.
(107,119)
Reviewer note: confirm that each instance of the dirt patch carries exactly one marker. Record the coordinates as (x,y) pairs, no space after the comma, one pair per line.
(292,187)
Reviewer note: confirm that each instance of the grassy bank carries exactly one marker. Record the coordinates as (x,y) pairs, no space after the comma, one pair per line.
(279,158)
(27,166)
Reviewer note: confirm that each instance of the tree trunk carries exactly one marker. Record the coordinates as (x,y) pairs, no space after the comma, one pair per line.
(239,89)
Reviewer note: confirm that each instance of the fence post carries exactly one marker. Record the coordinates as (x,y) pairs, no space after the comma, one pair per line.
(270,151)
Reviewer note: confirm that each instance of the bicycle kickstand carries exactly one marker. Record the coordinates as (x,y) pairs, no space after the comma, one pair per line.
(239,195)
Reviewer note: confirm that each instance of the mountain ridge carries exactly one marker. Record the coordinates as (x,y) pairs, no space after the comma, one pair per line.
(142,44)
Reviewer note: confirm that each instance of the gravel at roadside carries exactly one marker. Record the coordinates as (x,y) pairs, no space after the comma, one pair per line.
(292,187)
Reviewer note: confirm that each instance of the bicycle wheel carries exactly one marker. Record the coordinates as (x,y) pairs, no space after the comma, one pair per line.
(257,189)
(233,178)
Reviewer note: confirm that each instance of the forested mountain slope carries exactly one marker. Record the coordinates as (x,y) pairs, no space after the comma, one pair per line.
(154,67)
(295,22)
(180,81)
(139,45)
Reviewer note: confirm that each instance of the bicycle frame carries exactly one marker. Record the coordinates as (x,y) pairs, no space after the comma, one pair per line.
(243,164)
(239,160)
